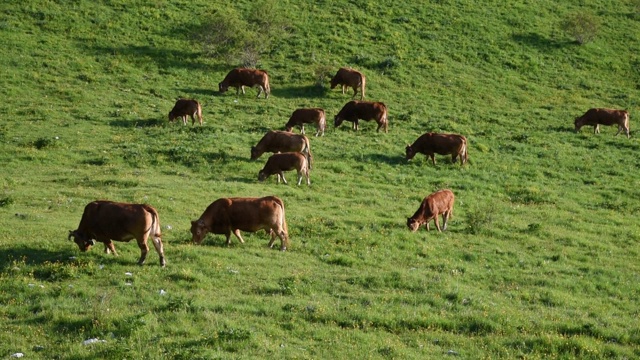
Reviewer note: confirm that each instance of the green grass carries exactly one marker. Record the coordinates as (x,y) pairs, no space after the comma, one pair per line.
(539,261)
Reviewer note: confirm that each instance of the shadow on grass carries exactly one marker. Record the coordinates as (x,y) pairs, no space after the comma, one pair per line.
(34,256)
(562,128)
(294,92)
(539,41)
(387,159)
(200,91)
(138,123)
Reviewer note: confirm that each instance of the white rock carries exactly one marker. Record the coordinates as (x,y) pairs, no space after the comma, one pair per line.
(93,341)
(17,355)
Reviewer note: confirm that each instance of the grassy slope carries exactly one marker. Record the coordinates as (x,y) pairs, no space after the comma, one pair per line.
(88,87)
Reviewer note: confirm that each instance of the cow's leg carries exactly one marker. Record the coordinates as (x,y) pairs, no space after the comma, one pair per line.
(302,129)
(273,238)
(435,219)
(144,249)
(283,179)
(596,129)
(307,175)
(157,243)
(242,87)
(433,158)
(184,119)
(445,218)
(109,247)
(260,90)
(236,232)
(299,177)
(355,92)
(193,120)
(344,87)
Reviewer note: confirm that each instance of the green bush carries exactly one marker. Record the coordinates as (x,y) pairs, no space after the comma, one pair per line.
(583,27)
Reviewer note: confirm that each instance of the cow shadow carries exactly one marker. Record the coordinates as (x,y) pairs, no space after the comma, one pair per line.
(199,91)
(539,41)
(33,256)
(141,123)
(385,158)
(295,92)
(561,129)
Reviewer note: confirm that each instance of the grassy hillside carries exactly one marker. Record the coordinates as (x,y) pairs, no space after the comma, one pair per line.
(539,261)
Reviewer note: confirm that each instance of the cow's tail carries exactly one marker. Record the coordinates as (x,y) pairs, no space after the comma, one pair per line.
(283,223)
(363,81)
(307,153)
(322,124)
(464,152)
(199,112)
(267,87)
(155,230)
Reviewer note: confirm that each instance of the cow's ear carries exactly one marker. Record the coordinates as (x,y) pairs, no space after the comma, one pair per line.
(201,223)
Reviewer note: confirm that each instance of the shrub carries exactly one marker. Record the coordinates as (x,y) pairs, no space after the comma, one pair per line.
(322,74)
(479,218)
(235,38)
(583,27)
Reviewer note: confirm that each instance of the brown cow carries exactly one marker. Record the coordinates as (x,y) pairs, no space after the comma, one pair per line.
(279,163)
(230,215)
(107,220)
(443,144)
(349,78)
(439,202)
(241,77)
(356,110)
(307,116)
(281,141)
(597,117)
(184,108)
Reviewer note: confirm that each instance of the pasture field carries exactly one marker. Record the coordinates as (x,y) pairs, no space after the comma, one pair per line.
(540,260)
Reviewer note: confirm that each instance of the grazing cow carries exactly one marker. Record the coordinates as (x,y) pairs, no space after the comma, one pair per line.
(439,202)
(349,78)
(356,110)
(184,108)
(597,117)
(279,163)
(104,221)
(281,141)
(443,144)
(241,77)
(307,116)
(230,215)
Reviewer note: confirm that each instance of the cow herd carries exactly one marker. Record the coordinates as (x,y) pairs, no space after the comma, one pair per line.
(107,221)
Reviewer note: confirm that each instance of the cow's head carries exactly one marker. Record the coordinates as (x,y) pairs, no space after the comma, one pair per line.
(413,224)
(83,241)
(222,87)
(578,123)
(409,152)
(172,116)
(198,231)
(337,120)
(334,82)
(262,175)
(255,153)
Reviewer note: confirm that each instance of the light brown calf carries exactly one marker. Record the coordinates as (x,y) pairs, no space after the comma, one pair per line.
(277,164)
(184,108)
(443,144)
(348,77)
(241,77)
(439,202)
(307,116)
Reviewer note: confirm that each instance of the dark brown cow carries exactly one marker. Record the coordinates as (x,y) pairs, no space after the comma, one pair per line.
(230,215)
(277,164)
(349,78)
(597,117)
(281,141)
(104,221)
(241,77)
(443,144)
(184,108)
(439,202)
(356,110)
(307,116)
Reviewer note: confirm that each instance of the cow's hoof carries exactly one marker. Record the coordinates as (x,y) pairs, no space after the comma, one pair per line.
(284,248)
